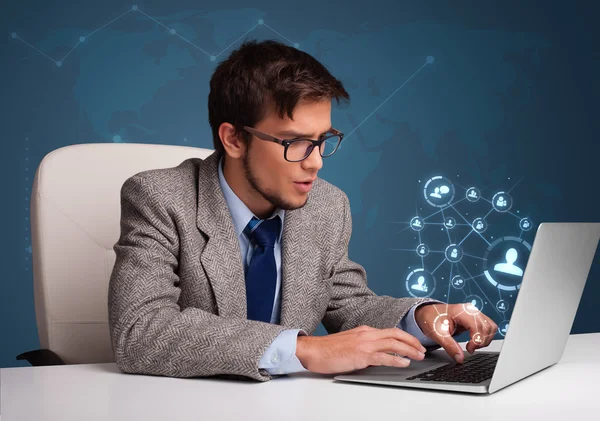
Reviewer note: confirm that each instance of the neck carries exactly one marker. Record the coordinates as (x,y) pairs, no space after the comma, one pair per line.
(233,171)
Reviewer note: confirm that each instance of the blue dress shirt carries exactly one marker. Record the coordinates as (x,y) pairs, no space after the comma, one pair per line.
(280,357)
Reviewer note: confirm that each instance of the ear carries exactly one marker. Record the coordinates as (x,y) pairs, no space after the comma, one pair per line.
(232,142)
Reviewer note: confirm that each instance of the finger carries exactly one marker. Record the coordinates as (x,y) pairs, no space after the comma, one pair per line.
(381,358)
(478,340)
(355,330)
(362,328)
(392,345)
(489,329)
(475,325)
(453,349)
(483,334)
(399,335)
(449,344)
(493,329)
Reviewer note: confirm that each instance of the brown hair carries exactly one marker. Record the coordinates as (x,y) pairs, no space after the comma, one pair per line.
(259,76)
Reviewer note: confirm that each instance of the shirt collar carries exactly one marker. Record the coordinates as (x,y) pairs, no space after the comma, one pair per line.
(240,213)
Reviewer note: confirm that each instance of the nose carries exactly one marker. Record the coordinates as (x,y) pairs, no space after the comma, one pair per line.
(314,161)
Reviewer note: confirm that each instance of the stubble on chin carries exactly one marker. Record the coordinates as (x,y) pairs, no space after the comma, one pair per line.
(272,197)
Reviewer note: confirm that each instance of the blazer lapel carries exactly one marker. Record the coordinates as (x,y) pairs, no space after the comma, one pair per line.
(295,255)
(221,257)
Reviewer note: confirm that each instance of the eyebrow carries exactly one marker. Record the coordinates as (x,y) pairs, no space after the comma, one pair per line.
(295,134)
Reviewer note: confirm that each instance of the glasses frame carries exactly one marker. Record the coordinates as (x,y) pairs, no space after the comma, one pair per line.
(287,142)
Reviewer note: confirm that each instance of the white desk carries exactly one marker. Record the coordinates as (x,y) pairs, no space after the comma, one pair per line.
(100,391)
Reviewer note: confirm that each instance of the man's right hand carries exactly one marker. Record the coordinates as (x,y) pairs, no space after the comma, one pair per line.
(357,348)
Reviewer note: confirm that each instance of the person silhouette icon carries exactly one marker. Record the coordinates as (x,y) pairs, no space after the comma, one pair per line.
(509,266)
(445,325)
(477,338)
(471,307)
(417,223)
(420,285)
(473,194)
(526,224)
(449,223)
(502,306)
(501,202)
(479,225)
(422,250)
(436,193)
(454,253)
(505,328)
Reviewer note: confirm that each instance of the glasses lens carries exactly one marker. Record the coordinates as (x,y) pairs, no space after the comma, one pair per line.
(330,145)
(298,150)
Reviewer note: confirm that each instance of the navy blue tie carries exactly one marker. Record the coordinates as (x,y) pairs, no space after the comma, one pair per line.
(261,275)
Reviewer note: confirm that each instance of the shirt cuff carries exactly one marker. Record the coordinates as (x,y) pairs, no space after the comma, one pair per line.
(280,357)
(410,326)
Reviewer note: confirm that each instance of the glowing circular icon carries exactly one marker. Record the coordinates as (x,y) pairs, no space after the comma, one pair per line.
(438,191)
(479,225)
(503,327)
(441,325)
(473,194)
(458,282)
(473,304)
(477,338)
(420,283)
(525,224)
(504,262)
(449,222)
(417,223)
(454,253)
(502,306)
(502,202)
(422,250)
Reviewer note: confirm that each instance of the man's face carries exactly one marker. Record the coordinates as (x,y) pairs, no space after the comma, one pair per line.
(282,183)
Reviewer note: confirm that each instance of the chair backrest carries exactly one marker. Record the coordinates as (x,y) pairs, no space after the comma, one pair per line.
(75,222)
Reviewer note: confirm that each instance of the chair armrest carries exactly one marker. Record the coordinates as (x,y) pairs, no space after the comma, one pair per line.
(41,357)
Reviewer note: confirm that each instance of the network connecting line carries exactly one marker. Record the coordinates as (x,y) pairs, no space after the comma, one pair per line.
(464,278)
(445,222)
(428,60)
(170,30)
(478,286)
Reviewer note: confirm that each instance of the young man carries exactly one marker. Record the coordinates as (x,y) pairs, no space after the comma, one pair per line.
(226,266)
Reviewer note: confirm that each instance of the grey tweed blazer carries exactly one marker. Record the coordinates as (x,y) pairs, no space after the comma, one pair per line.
(177,300)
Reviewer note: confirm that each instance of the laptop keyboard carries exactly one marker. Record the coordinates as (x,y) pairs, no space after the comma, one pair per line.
(478,368)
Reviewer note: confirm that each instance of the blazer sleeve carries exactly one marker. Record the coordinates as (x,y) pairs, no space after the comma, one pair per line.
(150,333)
(352,303)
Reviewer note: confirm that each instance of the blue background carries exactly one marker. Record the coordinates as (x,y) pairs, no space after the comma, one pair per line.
(508,99)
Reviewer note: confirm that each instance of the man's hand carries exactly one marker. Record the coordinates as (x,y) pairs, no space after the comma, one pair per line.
(440,321)
(358,348)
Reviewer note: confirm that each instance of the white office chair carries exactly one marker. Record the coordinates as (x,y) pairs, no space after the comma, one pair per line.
(75,222)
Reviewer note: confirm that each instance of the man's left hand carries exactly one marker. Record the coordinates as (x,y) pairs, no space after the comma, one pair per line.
(441,321)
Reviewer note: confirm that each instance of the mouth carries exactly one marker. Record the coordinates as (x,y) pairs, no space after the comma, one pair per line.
(304,186)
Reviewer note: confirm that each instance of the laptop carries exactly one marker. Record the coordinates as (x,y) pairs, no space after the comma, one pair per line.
(550,291)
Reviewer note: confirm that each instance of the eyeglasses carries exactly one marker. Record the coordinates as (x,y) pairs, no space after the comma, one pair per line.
(299,149)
